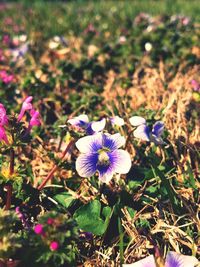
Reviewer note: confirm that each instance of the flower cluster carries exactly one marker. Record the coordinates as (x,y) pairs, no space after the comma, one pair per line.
(100,151)
(54,232)
(144,132)
(4,120)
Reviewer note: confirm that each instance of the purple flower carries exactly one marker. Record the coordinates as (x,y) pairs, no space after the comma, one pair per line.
(144,132)
(25,106)
(3,116)
(34,121)
(100,153)
(20,51)
(22,217)
(82,122)
(3,136)
(117,121)
(173,259)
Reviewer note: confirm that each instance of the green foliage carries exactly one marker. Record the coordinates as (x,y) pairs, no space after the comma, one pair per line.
(9,239)
(93,217)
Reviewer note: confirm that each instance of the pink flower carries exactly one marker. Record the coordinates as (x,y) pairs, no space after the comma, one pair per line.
(34,121)
(5,77)
(50,221)
(54,245)
(3,136)
(25,106)
(6,39)
(195,85)
(38,229)
(3,116)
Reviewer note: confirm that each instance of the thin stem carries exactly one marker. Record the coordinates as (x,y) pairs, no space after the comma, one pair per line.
(12,161)
(54,169)
(9,186)
(121,242)
(8,196)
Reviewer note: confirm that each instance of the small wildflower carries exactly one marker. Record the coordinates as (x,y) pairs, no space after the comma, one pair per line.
(19,52)
(34,121)
(54,245)
(195,85)
(82,122)
(38,229)
(5,77)
(144,132)
(3,116)
(3,136)
(25,106)
(50,221)
(101,153)
(117,121)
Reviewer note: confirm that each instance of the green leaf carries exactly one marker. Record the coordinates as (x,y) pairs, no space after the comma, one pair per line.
(65,199)
(89,219)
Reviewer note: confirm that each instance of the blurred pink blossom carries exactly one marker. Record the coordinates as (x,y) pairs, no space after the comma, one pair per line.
(3,116)
(3,136)
(38,229)
(25,106)
(5,77)
(54,245)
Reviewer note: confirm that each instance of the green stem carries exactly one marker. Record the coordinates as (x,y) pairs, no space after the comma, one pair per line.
(121,242)
(9,185)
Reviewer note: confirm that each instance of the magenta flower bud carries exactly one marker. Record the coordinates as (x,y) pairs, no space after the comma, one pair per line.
(54,245)
(38,229)
(3,136)
(3,116)
(50,221)
(25,106)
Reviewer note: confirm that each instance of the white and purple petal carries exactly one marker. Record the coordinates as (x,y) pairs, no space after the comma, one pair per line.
(120,161)
(146,262)
(142,132)
(113,142)
(86,164)
(79,121)
(106,173)
(90,143)
(158,128)
(98,126)
(137,121)
(117,121)
(174,259)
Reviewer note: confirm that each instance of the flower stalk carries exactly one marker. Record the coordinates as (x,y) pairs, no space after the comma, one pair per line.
(8,187)
(54,169)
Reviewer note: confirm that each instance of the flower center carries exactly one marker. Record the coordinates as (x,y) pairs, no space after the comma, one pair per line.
(103,158)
